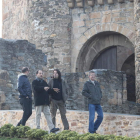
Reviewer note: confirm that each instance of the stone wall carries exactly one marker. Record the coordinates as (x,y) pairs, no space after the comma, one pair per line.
(61,32)
(113,85)
(117,124)
(15,19)
(104,19)
(14,55)
(47,24)
(137,49)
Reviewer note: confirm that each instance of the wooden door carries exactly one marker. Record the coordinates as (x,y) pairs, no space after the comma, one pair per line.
(107,59)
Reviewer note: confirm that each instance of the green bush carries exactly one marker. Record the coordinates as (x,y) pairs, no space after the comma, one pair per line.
(19,131)
(36,133)
(4,130)
(67,135)
(13,131)
(51,136)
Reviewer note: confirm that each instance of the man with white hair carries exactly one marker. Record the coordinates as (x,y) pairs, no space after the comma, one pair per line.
(93,92)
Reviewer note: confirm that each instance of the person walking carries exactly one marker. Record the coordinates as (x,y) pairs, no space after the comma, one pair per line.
(25,97)
(41,98)
(92,91)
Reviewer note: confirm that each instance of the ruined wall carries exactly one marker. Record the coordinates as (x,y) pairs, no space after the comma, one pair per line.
(113,86)
(45,23)
(14,55)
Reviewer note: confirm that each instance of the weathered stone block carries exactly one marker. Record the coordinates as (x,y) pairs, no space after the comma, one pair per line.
(110,1)
(95,15)
(80,4)
(90,2)
(70,3)
(106,18)
(100,2)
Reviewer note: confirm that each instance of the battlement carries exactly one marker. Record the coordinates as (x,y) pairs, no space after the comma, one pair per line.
(82,3)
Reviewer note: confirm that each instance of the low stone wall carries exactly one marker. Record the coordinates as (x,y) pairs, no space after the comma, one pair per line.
(117,124)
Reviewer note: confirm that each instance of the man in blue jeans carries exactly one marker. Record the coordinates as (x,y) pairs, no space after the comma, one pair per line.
(93,92)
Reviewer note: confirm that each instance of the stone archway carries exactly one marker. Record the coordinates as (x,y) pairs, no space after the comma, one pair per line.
(97,44)
(129,68)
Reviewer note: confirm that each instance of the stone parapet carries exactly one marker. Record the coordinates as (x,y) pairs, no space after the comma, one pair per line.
(117,124)
(81,3)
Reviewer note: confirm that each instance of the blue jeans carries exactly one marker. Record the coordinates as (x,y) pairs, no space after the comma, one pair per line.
(94,126)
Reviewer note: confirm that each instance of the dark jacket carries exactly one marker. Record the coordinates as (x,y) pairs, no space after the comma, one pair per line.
(41,97)
(92,92)
(64,89)
(24,86)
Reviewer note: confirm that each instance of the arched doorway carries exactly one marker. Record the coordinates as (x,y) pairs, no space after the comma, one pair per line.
(109,58)
(99,43)
(107,50)
(129,68)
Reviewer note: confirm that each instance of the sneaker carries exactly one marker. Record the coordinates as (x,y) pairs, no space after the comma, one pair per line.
(54,130)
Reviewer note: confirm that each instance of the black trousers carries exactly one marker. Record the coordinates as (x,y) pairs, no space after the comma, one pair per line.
(26,104)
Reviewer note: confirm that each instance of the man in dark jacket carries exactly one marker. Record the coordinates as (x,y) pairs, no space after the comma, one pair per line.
(41,97)
(25,97)
(59,95)
(93,92)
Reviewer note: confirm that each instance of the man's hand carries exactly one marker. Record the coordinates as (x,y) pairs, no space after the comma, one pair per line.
(46,88)
(56,90)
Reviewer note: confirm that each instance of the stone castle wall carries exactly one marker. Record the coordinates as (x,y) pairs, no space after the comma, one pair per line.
(15,19)
(14,55)
(61,32)
(113,86)
(117,124)
(47,24)
(64,34)
(106,19)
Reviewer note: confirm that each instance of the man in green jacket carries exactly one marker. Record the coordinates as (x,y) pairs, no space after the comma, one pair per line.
(93,92)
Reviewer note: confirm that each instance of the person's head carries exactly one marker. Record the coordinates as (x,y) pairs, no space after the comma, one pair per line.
(57,74)
(39,74)
(25,70)
(92,75)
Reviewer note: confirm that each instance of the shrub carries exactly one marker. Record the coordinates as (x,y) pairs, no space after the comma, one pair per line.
(13,132)
(36,133)
(21,131)
(51,136)
(4,130)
